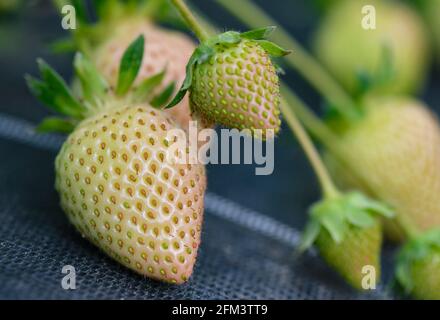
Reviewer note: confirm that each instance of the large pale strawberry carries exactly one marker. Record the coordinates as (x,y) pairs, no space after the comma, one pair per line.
(349,50)
(393,153)
(119,179)
(233,82)
(418,266)
(348,234)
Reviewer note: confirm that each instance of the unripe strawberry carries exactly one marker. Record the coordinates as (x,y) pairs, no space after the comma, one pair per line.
(238,88)
(393,153)
(418,266)
(120,182)
(360,247)
(119,191)
(349,50)
(233,82)
(348,234)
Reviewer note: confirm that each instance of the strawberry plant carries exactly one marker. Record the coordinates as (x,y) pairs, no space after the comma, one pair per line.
(115,181)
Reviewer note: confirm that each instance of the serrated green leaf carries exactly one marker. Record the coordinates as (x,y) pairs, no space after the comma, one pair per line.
(273,49)
(334,223)
(162,98)
(258,34)
(360,218)
(130,64)
(93,84)
(309,235)
(54,124)
(200,55)
(148,85)
(359,200)
(54,92)
(229,37)
(177,98)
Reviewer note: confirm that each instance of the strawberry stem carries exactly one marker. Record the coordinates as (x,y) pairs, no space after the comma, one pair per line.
(329,189)
(189,18)
(301,60)
(408,228)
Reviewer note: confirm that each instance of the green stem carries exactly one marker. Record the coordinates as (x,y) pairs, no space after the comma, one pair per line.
(300,60)
(408,228)
(192,22)
(329,190)
(314,125)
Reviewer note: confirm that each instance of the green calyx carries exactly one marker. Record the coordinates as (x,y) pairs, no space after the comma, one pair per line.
(110,13)
(339,213)
(208,49)
(96,94)
(415,251)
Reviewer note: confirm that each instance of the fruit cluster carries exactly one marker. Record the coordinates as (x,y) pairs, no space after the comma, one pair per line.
(119,191)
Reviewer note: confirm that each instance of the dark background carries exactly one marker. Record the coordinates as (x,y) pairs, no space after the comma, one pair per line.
(32,221)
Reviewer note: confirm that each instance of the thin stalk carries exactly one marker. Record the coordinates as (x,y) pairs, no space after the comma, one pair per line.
(329,189)
(189,18)
(253,16)
(317,128)
(410,230)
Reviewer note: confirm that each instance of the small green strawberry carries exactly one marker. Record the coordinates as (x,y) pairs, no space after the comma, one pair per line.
(392,149)
(348,234)
(418,266)
(233,82)
(351,50)
(119,182)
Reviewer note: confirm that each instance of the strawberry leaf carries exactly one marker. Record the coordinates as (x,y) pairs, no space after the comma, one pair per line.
(162,98)
(148,85)
(202,54)
(309,235)
(54,92)
(258,34)
(273,49)
(229,37)
(93,84)
(130,64)
(54,124)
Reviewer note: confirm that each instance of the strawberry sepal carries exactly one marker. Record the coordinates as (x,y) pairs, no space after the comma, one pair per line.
(337,215)
(416,251)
